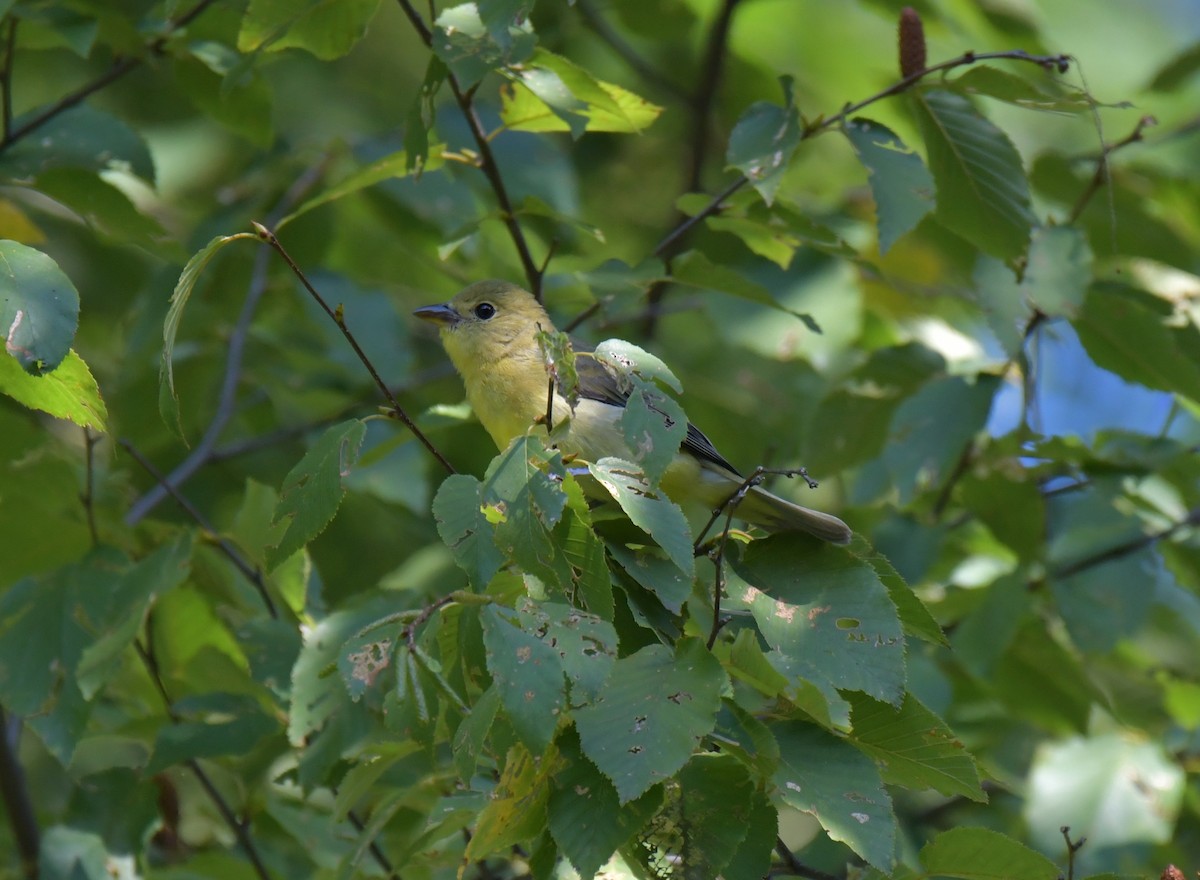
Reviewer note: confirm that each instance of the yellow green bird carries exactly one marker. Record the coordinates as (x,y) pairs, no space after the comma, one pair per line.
(490,332)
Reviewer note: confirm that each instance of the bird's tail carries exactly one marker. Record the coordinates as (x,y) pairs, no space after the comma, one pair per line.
(772,512)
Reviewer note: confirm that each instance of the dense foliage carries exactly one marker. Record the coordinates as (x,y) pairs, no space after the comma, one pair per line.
(270,609)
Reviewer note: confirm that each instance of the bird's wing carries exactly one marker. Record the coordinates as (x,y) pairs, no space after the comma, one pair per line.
(597,381)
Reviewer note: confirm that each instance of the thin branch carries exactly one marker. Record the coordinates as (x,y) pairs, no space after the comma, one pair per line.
(6,75)
(711,68)
(119,68)
(373,847)
(1101,175)
(795,867)
(239,828)
(608,34)
(1049,62)
(14,792)
(226,406)
(1132,546)
(487,159)
(87,496)
(267,236)
(1073,846)
(251,573)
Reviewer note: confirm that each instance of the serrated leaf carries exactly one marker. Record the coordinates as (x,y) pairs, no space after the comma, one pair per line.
(39,308)
(763,141)
(472,733)
(516,811)
(992,82)
(587,819)
(584,552)
(654,427)
(900,183)
(585,644)
(106,209)
(826,612)
(913,747)
(1127,331)
(326,29)
(648,509)
(168,400)
(472,50)
(983,854)
(66,392)
(696,270)
(651,714)
(840,786)
(1058,270)
(465,529)
(656,573)
(982,192)
(528,674)
(313,489)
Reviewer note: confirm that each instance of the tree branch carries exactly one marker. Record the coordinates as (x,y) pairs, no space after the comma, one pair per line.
(119,68)
(267,236)
(1101,175)
(711,68)
(14,792)
(608,34)
(487,159)
(1132,546)
(202,452)
(795,867)
(237,826)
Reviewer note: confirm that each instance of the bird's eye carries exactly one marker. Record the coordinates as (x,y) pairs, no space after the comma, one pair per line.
(483,311)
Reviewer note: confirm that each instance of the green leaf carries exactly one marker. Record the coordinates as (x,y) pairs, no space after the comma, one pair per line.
(913,747)
(66,392)
(71,854)
(1129,332)
(1122,789)
(914,615)
(651,714)
(472,733)
(1178,70)
(516,810)
(39,308)
(524,498)
(105,208)
(826,612)
(472,50)
(711,814)
(465,529)
(982,193)
(647,508)
(900,183)
(584,552)
(393,166)
(328,29)
(528,673)
(654,427)
(188,740)
(1105,603)
(168,400)
(696,270)
(1058,270)
(838,785)
(213,80)
(763,141)
(983,854)
(364,658)
(931,429)
(628,359)
(992,82)
(313,489)
(81,137)
(752,859)
(658,574)
(587,819)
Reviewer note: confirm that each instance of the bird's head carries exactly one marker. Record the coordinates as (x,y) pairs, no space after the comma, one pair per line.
(483,320)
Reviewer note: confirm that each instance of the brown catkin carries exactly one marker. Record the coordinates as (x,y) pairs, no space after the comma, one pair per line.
(912,42)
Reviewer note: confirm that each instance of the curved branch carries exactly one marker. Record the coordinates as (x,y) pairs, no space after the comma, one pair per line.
(14,792)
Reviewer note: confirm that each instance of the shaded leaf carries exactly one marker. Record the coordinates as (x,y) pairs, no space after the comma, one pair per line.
(649,509)
(327,30)
(983,854)
(39,308)
(528,674)
(465,529)
(900,183)
(763,141)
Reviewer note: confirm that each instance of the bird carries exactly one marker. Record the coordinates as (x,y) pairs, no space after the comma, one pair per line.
(489,330)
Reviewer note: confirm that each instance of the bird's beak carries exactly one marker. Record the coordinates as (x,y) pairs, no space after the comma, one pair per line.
(442,313)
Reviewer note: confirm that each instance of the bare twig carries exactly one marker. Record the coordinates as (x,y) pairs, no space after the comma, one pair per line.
(251,573)
(239,827)
(14,792)
(267,236)
(119,68)
(1072,848)
(1101,175)
(373,847)
(202,453)
(1049,62)
(487,159)
(87,496)
(1132,546)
